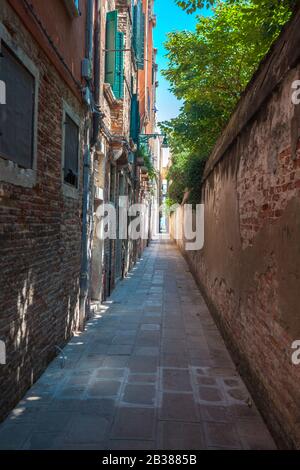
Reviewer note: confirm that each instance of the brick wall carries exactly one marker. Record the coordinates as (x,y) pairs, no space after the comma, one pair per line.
(40,240)
(249,268)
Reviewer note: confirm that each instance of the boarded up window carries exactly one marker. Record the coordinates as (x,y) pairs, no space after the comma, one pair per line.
(71,151)
(17,115)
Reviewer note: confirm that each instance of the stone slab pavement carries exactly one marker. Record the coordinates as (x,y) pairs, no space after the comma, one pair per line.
(149,372)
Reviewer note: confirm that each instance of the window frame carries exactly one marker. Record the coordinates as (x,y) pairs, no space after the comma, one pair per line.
(68,189)
(10,171)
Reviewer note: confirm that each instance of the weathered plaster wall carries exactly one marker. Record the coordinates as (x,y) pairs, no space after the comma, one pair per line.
(249,268)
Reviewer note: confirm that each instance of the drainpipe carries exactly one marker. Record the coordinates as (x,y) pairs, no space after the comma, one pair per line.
(86,203)
(85,264)
(98,115)
(97,68)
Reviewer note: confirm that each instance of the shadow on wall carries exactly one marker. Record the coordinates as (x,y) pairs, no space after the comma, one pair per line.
(40,309)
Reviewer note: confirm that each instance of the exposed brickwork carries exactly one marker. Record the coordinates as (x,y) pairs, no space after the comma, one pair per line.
(201,396)
(249,267)
(52,263)
(40,241)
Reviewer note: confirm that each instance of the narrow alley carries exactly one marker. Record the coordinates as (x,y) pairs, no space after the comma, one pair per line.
(150,371)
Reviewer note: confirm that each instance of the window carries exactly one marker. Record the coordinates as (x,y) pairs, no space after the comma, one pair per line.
(71,151)
(138,39)
(114,57)
(17,115)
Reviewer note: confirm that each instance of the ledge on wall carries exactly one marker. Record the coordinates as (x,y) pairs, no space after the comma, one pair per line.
(109,95)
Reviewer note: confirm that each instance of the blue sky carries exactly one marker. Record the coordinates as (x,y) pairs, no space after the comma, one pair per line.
(169,18)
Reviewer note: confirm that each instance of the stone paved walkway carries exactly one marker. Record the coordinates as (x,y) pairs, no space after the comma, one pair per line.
(150,372)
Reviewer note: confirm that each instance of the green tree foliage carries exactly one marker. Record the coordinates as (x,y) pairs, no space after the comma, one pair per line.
(208,70)
(190,6)
(144,153)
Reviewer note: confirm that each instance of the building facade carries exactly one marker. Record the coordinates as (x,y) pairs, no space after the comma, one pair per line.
(69,137)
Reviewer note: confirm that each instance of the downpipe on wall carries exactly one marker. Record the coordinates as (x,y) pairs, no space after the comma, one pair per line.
(87,208)
(97,115)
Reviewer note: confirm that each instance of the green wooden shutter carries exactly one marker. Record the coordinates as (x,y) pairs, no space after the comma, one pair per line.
(118,86)
(139,34)
(111,46)
(134,30)
(134,119)
(142,42)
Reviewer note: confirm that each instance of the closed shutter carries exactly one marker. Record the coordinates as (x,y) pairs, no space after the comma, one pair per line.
(142,43)
(139,34)
(111,47)
(17,115)
(135,30)
(134,119)
(118,86)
